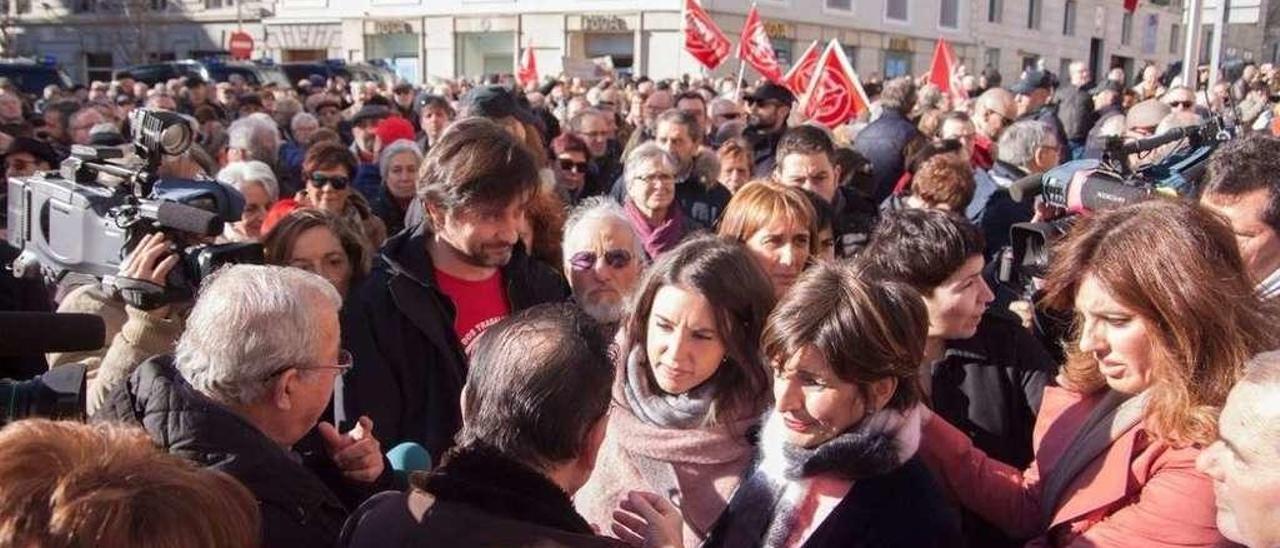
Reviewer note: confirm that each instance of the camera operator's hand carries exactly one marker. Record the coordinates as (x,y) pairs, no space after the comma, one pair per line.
(1045,212)
(6,141)
(1026,312)
(649,521)
(150,263)
(357,453)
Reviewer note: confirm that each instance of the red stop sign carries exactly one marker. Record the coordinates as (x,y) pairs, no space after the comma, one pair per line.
(240,44)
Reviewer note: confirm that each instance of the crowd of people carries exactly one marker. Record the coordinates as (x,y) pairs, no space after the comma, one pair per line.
(664,313)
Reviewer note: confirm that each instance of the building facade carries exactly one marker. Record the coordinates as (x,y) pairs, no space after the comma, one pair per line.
(90,38)
(426,40)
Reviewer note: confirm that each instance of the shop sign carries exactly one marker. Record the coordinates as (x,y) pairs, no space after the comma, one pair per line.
(899,43)
(777,29)
(603,23)
(392,27)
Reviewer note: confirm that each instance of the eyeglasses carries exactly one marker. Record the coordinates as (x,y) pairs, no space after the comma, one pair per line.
(656,178)
(1003,119)
(583,261)
(572,166)
(1181,104)
(336,183)
(345,363)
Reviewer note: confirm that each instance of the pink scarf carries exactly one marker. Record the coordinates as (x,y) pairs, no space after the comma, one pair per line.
(662,238)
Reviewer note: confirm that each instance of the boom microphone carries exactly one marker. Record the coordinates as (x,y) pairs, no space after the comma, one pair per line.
(28,333)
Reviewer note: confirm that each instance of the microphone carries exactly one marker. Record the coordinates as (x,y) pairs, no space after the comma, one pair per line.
(28,333)
(184,218)
(1026,187)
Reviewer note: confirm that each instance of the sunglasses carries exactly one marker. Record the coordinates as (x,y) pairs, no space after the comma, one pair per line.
(336,183)
(583,261)
(1181,104)
(572,166)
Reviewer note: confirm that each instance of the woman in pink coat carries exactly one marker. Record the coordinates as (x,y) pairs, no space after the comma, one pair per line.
(1165,319)
(690,384)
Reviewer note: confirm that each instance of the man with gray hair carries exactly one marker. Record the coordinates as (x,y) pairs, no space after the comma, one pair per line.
(252,375)
(1245,461)
(1026,147)
(603,259)
(256,137)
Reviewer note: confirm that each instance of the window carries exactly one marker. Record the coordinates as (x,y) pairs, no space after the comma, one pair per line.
(98,66)
(24,6)
(897,63)
(1034,11)
(842,5)
(159,5)
(1126,29)
(949,16)
(215,4)
(995,11)
(895,10)
(1069,18)
(992,58)
(84,6)
(1175,38)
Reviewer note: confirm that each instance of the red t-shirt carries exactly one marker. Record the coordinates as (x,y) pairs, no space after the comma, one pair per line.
(479,304)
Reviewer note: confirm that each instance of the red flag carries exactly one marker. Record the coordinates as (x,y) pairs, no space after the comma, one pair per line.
(528,71)
(1130,5)
(798,77)
(703,39)
(756,48)
(835,95)
(944,71)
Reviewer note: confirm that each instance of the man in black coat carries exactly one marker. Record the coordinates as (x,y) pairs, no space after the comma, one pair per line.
(536,404)
(883,140)
(1075,109)
(249,406)
(806,159)
(1031,95)
(770,106)
(437,286)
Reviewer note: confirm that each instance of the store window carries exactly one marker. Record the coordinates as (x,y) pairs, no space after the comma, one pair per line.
(782,50)
(400,50)
(897,63)
(481,53)
(620,46)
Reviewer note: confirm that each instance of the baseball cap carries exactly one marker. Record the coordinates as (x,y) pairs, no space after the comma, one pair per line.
(1033,80)
(370,113)
(494,102)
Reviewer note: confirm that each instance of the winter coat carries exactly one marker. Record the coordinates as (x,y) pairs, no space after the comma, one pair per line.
(300,493)
(1140,491)
(882,143)
(477,497)
(398,326)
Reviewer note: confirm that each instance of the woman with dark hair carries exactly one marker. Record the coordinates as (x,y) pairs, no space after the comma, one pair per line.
(329,169)
(322,243)
(837,463)
(778,225)
(690,383)
(1165,319)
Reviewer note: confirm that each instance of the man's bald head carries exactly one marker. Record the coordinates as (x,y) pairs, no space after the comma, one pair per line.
(993,111)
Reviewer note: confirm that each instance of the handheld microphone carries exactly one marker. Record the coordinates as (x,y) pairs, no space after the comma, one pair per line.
(28,333)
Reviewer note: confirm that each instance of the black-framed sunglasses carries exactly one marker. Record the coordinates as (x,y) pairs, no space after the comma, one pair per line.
(583,261)
(1182,104)
(336,183)
(572,166)
(344,365)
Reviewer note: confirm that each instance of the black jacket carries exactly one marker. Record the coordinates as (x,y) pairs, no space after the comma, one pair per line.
(902,508)
(1075,112)
(1095,143)
(303,501)
(989,386)
(856,217)
(409,365)
(764,150)
(882,143)
(994,210)
(478,497)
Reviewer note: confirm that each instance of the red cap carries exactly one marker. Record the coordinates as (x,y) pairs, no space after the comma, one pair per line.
(392,129)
